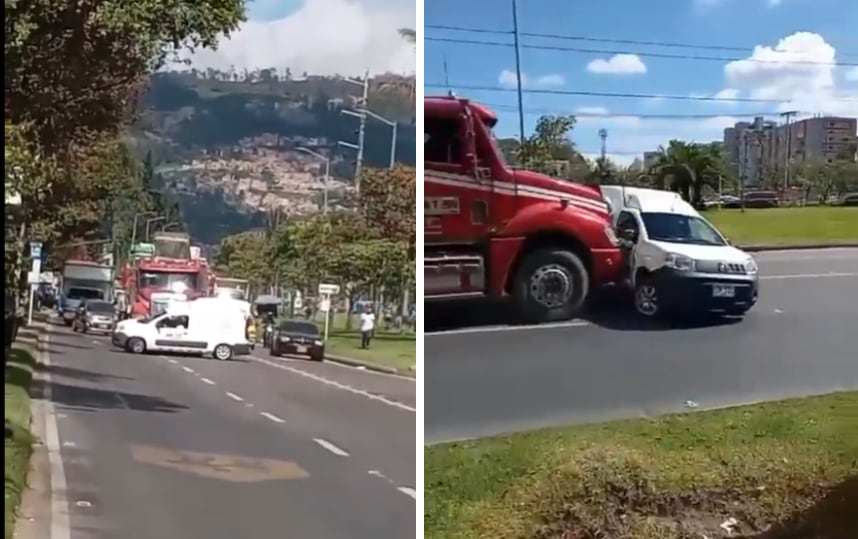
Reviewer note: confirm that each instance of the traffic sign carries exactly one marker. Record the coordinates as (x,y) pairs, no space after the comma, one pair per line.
(328,289)
(35,249)
(325,305)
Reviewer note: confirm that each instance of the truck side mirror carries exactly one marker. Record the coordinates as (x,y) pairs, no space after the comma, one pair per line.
(629,234)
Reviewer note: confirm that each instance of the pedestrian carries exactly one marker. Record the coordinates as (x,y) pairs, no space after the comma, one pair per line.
(367,327)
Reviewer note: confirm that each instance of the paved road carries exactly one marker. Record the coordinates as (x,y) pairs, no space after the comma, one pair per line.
(799,340)
(186,448)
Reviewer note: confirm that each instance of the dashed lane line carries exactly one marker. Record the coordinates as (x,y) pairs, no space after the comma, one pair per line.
(234,397)
(338,385)
(208,381)
(331,447)
(187,369)
(272,417)
(408,491)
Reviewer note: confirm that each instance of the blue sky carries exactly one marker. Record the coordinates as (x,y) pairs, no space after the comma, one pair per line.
(830,34)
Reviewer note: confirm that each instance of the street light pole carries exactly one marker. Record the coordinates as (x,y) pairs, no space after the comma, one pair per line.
(362,129)
(150,221)
(327,174)
(384,120)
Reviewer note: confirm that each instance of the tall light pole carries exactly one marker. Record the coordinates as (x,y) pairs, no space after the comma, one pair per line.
(383,120)
(788,156)
(327,174)
(150,221)
(518,73)
(362,102)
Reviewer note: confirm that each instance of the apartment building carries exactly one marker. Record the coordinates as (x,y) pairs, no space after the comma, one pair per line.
(755,147)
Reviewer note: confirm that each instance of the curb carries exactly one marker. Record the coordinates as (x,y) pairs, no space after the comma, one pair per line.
(367,365)
(800,247)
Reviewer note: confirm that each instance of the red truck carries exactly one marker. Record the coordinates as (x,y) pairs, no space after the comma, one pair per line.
(491,231)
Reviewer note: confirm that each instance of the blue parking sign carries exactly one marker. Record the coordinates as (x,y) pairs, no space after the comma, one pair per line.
(35,249)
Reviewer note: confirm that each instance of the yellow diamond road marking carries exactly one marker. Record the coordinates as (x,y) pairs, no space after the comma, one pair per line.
(234,468)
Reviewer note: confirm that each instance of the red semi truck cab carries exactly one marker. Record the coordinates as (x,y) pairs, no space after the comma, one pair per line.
(493,231)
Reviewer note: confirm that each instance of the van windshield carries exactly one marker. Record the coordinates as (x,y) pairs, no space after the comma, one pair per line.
(676,228)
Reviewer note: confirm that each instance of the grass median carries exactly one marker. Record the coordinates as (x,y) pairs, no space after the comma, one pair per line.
(785,227)
(19,442)
(393,350)
(784,470)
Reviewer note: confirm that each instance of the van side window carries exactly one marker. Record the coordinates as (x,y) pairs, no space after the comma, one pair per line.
(172,322)
(627,220)
(442,142)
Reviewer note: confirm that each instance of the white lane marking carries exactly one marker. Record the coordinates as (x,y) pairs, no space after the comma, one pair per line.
(208,381)
(272,417)
(331,447)
(368,371)
(808,275)
(173,361)
(96,342)
(338,385)
(234,397)
(778,311)
(187,369)
(490,329)
(408,491)
(60,522)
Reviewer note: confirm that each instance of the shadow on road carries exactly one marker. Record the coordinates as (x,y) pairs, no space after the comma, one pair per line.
(91,399)
(609,308)
(80,374)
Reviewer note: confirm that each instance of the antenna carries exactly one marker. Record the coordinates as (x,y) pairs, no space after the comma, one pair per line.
(447,76)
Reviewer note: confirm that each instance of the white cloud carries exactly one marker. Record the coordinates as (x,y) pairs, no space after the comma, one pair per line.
(773,73)
(727,94)
(618,64)
(553,80)
(507,79)
(323,37)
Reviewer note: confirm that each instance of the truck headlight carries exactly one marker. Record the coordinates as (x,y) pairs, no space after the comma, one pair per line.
(751,267)
(679,262)
(317,343)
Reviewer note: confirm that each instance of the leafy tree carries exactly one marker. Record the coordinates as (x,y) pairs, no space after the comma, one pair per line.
(388,200)
(687,167)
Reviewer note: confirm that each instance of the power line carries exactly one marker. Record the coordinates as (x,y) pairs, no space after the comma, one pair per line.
(644,54)
(591,39)
(646,116)
(625,95)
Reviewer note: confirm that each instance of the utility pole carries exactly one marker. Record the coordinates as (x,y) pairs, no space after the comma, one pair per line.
(788,156)
(362,104)
(603,167)
(518,73)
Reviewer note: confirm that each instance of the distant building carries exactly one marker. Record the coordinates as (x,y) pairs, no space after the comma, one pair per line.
(752,148)
(650,159)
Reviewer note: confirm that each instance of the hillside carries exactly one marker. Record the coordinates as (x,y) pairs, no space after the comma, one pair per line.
(225,143)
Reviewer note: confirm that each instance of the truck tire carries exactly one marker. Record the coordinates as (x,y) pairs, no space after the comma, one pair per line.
(550,285)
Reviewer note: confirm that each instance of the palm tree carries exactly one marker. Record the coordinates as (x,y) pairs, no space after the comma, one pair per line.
(405,86)
(687,168)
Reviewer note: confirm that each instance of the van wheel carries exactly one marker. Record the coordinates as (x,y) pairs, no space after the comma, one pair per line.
(222,352)
(646,298)
(550,285)
(135,345)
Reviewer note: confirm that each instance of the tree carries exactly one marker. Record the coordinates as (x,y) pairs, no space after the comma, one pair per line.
(388,199)
(687,167)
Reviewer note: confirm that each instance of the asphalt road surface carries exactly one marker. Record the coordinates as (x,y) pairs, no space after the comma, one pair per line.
(191,448)
(799,340)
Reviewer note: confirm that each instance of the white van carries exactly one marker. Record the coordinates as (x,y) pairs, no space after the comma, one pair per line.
(678,262)
(216,326)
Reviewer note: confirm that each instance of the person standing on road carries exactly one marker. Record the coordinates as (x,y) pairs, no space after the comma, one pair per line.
(367,327)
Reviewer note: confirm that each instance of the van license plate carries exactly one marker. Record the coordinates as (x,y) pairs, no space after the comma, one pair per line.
(300,349)
(723,291)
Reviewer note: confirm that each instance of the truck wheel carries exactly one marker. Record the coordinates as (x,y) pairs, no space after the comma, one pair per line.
(135,345)
(550,285)
(223,352)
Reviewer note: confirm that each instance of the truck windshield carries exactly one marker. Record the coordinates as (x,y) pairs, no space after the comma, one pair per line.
(675,228)
(84,293)
(152,279)
(490,133)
